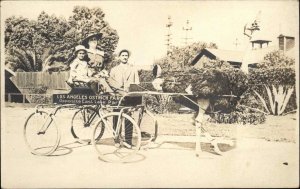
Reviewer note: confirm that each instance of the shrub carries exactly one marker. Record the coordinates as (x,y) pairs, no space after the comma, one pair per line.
(161,104)
(209,81)
(241,115)
(38,95)
(273,83)
(217,78)
(271,86)
(38,90)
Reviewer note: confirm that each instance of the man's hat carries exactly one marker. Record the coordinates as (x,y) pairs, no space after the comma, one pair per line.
(89,36)
(80,48)
(125,50)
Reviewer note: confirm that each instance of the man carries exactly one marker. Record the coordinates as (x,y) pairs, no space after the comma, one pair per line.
(123,75)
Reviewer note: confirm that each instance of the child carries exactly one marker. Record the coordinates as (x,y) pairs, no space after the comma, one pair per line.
(94,76)
(79,68)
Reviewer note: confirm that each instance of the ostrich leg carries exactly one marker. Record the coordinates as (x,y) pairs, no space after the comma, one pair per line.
(199,121)
(202,135)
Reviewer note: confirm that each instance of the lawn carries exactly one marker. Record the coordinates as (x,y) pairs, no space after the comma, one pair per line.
(275,128)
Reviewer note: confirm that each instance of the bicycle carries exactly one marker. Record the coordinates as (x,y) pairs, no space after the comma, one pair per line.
(42,134)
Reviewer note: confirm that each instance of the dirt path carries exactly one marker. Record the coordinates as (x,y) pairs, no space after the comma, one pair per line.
(253,163)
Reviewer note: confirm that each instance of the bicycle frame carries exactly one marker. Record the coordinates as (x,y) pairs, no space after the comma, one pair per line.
(45,126)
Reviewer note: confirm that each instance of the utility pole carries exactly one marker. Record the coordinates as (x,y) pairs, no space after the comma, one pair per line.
(186,29)
(168,25)
(236,43)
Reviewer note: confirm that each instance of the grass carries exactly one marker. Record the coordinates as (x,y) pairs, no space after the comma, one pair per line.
(276,128)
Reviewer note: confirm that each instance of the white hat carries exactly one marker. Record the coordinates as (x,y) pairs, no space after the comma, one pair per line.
(79,48)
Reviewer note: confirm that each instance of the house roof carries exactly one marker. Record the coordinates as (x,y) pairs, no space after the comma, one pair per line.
(288,36)
(251,56)
(9,72)
(260,41)
(226,55)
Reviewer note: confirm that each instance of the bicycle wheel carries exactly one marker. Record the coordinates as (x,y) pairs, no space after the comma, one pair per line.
(148,125)
(121,146)
(83,123)
(41,133)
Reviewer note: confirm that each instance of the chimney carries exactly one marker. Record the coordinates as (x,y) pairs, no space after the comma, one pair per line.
(286,42)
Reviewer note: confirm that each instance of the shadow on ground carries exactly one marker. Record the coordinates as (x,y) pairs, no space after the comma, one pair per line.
(66,149)
(206,147)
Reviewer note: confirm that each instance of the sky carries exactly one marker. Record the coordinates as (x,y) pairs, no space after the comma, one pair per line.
(141,25)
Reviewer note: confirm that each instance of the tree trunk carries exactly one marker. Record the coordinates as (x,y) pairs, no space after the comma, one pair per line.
(46,64)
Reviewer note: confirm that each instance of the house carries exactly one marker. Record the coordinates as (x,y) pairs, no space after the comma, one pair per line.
(287,45)
(233,57)
(12,92)
(253,56)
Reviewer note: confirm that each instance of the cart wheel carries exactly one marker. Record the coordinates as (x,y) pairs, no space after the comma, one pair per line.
(113,147)
(148,126)
(41,133)
(83,123)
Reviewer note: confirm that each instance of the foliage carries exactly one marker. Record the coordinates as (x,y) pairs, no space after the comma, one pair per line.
(19,59)
(214,79)
(273,83)
(277,59)
(39,98)
(38,90)
(209,81)
(240,116)
(269,87)
(35,45)
(85,21)
(179,58)
(145,75)
(161,104)
(38,95)
(272,76)
(153,104)
(114,62)
(19,44)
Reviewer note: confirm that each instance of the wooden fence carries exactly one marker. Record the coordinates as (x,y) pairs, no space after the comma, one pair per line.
(55,80)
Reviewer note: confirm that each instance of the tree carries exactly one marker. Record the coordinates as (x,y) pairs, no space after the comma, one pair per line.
(277,74)
(33,41)
(84,21)
(50,41)
(180,58)
(19,34)
(47,43)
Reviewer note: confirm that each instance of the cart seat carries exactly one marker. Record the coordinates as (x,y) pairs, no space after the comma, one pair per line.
(80,87)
